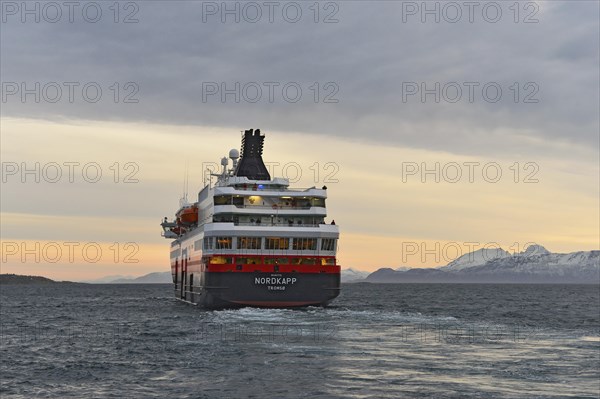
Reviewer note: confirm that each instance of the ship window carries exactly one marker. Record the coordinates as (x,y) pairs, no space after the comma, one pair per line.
(224,242)
(327,244)
(221,260)
(222,199)
(309,261)
(276,261)
(277,243)
(238,201)
(304,244)
(249,242)
(328,261)
(209,243)
(252,260)
(318,202)
(197,245)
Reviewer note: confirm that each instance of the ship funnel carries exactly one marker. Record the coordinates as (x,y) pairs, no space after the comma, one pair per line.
(251,164)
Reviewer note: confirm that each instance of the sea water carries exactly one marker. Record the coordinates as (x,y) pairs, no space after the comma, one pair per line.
(374,341)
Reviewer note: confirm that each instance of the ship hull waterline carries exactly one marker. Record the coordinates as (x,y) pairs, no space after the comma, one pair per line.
(263,290)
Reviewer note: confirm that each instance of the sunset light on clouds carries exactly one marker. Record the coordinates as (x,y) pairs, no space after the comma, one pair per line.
(383,213)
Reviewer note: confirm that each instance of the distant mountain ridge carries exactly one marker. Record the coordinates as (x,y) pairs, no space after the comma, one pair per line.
(22,279)
(475,258)
(349,275)
(108,279)
(150,278)
(534,265)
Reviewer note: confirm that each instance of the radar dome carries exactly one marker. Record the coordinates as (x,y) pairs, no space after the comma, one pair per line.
(234,154)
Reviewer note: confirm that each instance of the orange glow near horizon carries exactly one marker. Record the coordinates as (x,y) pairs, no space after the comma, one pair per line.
(385,219)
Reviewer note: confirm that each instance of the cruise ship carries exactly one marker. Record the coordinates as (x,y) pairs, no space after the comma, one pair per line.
(252,240)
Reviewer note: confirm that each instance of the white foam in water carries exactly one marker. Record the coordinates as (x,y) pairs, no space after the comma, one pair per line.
(388,315)
(255,314)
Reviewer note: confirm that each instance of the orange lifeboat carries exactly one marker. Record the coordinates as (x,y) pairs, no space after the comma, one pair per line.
(188,214)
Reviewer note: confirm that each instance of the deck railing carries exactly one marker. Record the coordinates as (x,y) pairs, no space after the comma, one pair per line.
(269,224)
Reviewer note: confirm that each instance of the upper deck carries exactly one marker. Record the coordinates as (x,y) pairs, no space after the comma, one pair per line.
(245,199)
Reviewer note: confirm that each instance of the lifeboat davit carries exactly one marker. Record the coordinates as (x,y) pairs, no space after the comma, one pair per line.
(177,230)
(188,214)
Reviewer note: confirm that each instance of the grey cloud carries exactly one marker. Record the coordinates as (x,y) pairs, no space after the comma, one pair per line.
(367,54)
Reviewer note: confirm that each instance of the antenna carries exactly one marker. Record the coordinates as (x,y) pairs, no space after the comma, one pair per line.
(186,178)
(183,188)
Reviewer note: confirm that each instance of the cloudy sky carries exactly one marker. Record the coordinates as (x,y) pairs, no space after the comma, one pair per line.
(364,96)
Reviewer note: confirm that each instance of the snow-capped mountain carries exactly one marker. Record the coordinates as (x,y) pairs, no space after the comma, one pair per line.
(534,265)
(348,275)
(577,265)
(476,258)
(534,249)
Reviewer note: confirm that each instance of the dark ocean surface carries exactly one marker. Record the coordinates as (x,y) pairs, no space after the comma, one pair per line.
(374,341)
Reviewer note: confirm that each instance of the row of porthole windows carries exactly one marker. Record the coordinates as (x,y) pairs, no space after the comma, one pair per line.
(268,243)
